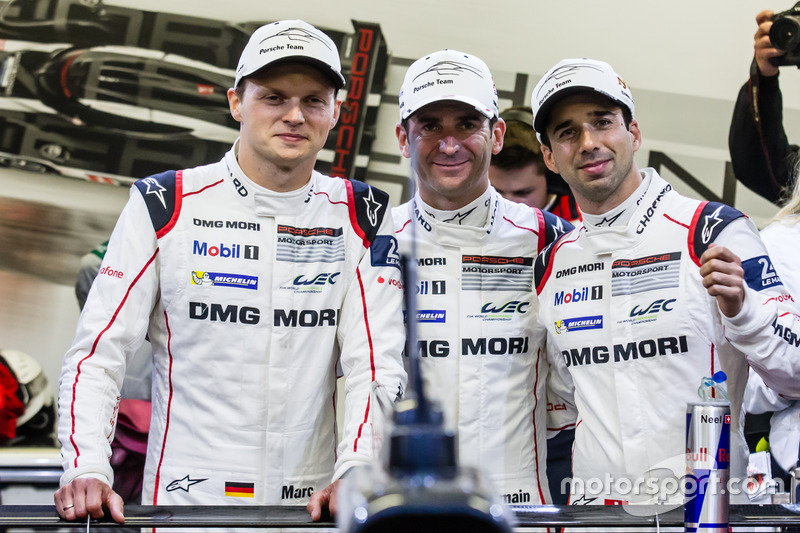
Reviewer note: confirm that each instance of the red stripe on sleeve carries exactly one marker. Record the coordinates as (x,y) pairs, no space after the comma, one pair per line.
(549,269)
(695,219)
(542,230)
(351,209)
(94,348)
(371,353)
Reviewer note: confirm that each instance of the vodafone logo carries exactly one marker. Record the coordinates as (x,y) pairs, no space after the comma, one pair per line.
(392,282)
(108,271)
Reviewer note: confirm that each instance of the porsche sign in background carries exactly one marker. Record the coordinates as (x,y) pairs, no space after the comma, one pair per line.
(113,94)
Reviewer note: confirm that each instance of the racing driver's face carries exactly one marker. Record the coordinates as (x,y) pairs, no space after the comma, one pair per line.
(286,112)
(450,145)
(592,149)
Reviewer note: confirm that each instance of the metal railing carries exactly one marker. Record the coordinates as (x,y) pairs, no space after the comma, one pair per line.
(592,516)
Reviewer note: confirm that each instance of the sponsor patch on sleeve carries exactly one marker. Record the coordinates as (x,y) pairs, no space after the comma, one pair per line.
(759,274)
(383,252)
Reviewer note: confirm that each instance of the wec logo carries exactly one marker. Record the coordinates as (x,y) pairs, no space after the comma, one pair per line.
(514,306)
(653,308)
(326,278)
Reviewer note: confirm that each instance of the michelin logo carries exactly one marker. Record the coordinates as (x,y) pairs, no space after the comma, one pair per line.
(222,279)
(438,316)
(578,324)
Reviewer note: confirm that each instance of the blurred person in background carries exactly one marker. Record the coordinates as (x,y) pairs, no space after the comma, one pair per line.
(762,158)
(519,174)
(781,237)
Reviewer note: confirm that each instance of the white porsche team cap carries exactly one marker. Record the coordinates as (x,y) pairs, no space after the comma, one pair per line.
(290,40)
(448,75)
(570,76)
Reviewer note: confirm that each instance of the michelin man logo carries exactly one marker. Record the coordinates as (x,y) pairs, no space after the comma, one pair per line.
(201,278)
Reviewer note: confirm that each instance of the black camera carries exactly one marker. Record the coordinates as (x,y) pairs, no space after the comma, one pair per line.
(785,36)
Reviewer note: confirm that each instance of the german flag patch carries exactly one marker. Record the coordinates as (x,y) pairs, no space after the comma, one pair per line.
(235,489)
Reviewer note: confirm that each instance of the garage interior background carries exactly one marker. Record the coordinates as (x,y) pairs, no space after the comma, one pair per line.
(684,62)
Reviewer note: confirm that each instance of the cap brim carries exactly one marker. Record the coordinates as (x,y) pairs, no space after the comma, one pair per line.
(336,78)
(463,99)
(543,114)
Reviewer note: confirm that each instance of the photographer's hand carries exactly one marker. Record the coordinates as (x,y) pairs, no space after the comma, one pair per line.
(764,50)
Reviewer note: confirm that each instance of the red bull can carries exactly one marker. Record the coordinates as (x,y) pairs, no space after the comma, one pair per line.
(708,460)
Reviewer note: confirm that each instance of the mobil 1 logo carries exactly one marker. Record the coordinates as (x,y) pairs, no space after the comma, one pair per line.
(225,250)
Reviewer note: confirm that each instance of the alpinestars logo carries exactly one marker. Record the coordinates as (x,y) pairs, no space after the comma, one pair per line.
(372,208)
(710,223)
(459,217)
(154,187)
(183,484)
(558,227)
(609,221)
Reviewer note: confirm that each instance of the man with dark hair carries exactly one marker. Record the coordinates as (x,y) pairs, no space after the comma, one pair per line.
(480,346)
(652,293)
(254,278)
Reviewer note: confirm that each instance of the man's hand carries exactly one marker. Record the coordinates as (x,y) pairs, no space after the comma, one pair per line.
(88,496)
(723,278)
(321,499)
(764,51)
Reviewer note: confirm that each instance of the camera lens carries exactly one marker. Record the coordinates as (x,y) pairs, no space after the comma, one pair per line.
(785,34)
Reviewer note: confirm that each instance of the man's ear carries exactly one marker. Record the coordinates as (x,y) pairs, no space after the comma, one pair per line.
(402,140)
(498,132)
(547,155)
(235,103)
(337,108)
(636,135)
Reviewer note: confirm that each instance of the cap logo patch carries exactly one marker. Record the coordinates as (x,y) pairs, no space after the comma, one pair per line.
(567,70)
(294,34)
(450,68)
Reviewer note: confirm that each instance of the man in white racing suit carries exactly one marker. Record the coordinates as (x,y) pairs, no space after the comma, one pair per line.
(254,278)
(481,356)
(653,292)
